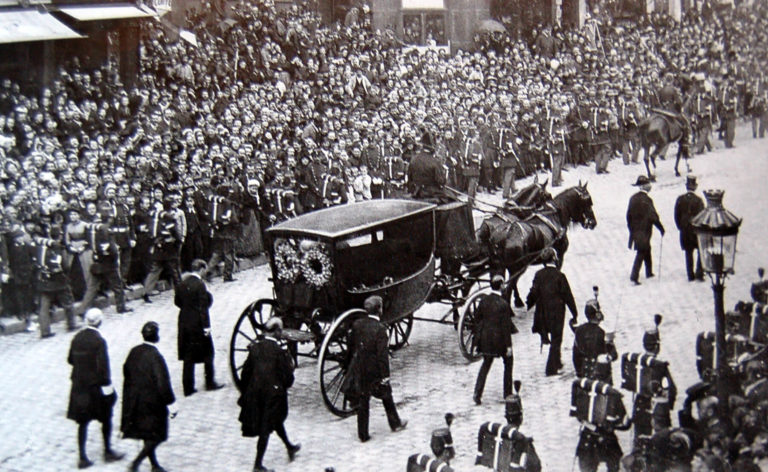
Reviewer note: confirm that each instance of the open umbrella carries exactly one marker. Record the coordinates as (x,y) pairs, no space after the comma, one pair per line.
(491,26)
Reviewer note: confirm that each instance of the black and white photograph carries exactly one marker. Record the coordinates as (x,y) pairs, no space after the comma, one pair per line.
(320,222)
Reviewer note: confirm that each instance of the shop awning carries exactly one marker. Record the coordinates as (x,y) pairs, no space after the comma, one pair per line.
(32,25)
(423,4)
(105,12)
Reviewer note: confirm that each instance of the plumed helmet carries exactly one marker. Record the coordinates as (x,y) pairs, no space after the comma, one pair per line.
(592,310)
(513,406)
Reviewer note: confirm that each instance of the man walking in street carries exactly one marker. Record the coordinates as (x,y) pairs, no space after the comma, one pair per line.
(194,335)
(687,206)
(267,376)
(551,293)
(368,373)
(495,328)
(641,218)
(148,398)
(92,396)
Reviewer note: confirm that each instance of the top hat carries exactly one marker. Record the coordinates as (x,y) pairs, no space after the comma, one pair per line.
(690,182)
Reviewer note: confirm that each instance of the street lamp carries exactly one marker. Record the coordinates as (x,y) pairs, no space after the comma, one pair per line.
(717,229)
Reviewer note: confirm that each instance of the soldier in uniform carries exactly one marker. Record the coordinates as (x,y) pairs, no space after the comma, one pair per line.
(122,228)
(590,342)
(472,156)
(602,116)
(556,144)
(729,103)
(395,171)
(598,442)
(646,416)
(508,151)
(309,181)
(758,107)
(166,241)
(687,206)
(630,112)
(703,112)
(225,231)
(106,265)
(669,96)
(53,283)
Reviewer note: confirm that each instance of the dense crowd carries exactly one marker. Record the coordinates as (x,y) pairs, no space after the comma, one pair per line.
(279,115)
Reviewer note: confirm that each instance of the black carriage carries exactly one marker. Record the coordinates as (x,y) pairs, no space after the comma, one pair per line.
(326,263)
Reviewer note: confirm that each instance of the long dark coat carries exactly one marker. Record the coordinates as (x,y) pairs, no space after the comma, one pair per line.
(194,300)
(551,293)
(687,206)
(426,176)
(267,376)
(147,392)
(369,357)
(89,359)
(641,218)
(495,327)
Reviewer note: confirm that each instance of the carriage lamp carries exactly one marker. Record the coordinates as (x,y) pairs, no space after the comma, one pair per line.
(716,230)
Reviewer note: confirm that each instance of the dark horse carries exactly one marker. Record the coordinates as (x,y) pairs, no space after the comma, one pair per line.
(514,244)
(658,131)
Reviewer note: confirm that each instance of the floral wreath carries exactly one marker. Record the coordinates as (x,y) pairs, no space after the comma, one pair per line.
(316,267)
(287,262)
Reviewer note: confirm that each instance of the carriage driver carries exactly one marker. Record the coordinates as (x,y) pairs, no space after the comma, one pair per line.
(426,176)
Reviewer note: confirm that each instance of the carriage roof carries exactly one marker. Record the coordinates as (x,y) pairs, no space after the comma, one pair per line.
(342,220)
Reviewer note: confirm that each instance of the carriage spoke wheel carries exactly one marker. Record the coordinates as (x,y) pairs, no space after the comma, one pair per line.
(399,332)
(332,363)
(467,329)
(247,330)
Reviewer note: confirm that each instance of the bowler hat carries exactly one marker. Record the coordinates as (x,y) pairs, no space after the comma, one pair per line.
(641,180)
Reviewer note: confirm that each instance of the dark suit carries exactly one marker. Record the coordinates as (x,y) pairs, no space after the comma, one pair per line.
(368,367)
(687,206)
(267,376)
(147,392)
(90,371)
(551,293)
(495,328)
(426,177)
(641,218)
(194,344)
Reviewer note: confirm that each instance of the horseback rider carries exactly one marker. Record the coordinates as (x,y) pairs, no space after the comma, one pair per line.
(669,96)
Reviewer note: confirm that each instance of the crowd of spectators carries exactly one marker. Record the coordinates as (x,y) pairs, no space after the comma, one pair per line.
(293,116)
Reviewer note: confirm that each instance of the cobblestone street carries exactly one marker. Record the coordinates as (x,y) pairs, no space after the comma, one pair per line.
(430,377)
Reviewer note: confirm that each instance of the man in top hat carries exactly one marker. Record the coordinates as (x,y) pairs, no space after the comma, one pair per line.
(551,293)
(148,399)
(426,176)
(687,206)
(368,372)
(267,376)
(641,218)
(92,396)
(495,328)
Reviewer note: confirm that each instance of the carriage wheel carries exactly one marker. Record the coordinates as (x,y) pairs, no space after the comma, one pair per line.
(467,342)
(247,330)
(332,363)
(399,332)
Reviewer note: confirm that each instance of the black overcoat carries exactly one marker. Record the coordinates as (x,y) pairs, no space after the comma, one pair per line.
(495,327)
(89,359)
(194,300)
(551,293)
(267,376)
(147,392)
(641,218)
(687,206)
(369,357)
(426,176)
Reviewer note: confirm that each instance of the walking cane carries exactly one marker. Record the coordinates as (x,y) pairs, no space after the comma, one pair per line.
(661,252)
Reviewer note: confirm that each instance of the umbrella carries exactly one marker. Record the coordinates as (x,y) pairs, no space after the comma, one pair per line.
(492,26)
(188,36)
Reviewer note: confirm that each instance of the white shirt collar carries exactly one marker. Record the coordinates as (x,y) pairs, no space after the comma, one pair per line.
(375,317)
(93,328)
(271,338)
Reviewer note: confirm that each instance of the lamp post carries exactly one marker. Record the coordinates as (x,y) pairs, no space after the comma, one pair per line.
(717,229)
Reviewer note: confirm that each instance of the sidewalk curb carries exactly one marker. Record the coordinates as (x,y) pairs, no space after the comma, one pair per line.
(10,326)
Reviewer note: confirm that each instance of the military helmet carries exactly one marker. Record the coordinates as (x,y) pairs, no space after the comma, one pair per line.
(513,406)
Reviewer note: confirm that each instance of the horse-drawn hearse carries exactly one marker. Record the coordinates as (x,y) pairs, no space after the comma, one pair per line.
(326,263)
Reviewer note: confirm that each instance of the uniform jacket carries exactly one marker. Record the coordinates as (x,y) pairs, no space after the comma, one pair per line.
(687,206)
(89,359)
(550,293)
(641,218)
(267,376)
(49,258)
(122,224)
(495,327)
(147,392)
(589,343)
(369,356)
(193,300)
(471,156)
